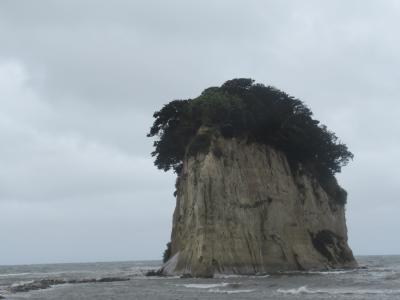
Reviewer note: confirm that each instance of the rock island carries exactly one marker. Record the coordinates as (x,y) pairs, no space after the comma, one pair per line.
(256,189)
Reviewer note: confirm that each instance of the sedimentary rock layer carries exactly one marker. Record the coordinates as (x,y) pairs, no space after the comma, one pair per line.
(242,209)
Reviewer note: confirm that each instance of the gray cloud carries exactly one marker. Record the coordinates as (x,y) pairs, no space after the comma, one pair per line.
(79,83)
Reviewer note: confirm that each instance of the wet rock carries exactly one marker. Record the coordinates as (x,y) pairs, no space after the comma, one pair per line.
(35,285)
(46,283)
(112,279)
(154,273)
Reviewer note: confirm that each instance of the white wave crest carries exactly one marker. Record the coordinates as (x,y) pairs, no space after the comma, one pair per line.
(228,276)
(329,272)
(300,290)
(229,291)
(204,285)
(22,283)
(392,276)
(14,274)
(305,290)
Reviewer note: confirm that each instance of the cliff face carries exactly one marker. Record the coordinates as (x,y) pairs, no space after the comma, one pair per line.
(241,209)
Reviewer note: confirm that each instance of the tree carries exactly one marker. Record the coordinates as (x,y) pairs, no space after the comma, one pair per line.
(258,113)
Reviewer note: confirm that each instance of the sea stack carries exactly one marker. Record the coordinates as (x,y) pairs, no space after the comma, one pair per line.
(255,190)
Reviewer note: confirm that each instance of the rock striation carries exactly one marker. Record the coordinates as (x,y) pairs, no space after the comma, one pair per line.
(243,209)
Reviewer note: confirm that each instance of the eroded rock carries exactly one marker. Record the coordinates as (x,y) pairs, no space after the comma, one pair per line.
(242,209)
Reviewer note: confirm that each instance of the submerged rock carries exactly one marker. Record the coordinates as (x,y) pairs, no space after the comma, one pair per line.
(154,273)
(48,282)
(35,285)
(243,209)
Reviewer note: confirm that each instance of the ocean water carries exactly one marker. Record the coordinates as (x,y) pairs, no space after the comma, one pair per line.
(378,278)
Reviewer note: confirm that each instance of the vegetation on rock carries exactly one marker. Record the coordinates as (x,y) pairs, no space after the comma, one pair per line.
(245,109)
(167,253)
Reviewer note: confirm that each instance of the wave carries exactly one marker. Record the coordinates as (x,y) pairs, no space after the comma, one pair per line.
(393,276)
(205,285)
(218,287)
(157,277)
(15,274)
(331,272)
(305,290)
(229,291)
(228,276)
(21,283)
(300,290)
(3,293)
(133,271)
(48,274)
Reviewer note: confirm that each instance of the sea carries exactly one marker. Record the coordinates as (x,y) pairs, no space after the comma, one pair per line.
(378,277)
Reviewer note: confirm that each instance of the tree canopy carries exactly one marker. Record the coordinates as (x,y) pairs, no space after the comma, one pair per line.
(259,113)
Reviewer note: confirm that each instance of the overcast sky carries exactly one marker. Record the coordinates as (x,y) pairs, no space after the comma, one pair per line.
(80,80)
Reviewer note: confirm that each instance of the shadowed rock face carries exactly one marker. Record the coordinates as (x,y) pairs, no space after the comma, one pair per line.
(241,209)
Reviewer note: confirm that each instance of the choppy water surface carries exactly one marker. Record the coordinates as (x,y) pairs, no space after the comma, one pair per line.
(380,279)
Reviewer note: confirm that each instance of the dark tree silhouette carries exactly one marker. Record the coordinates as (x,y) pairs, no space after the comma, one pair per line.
(258,113)
(167,253)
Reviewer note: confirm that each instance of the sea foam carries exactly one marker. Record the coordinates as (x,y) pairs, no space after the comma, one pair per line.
(229,291)
(205,285)
(305,290)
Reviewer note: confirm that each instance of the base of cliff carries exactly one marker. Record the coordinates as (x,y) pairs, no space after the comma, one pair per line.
(337,258)
(243,209)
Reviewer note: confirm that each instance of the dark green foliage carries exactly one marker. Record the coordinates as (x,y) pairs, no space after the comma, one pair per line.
(331,187)
(199,144)
(167,253)
(242,108)
(341,196)
(217,151)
